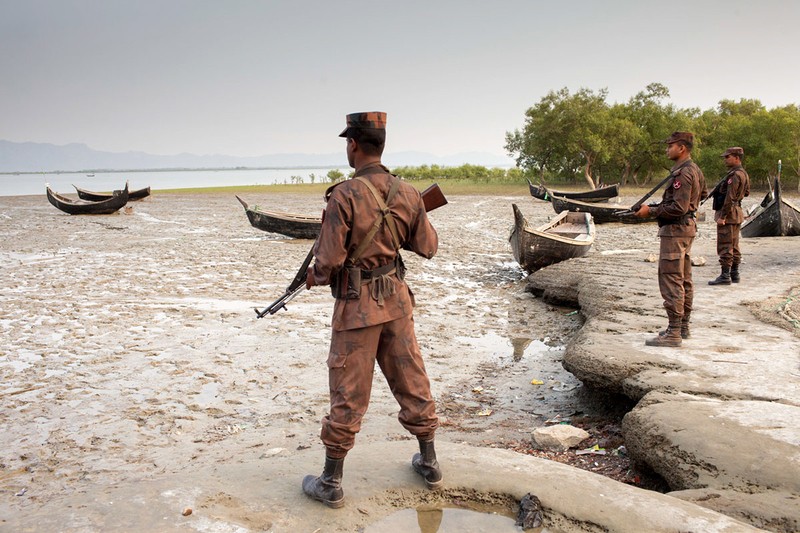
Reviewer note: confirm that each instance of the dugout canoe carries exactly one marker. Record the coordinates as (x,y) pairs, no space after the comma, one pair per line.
(288,224)
(568,235)
(88,207)
(133,196)
(601,194)
(774,217)
(600,213)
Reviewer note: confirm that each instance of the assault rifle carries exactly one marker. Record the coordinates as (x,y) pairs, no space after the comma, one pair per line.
(635,207)
(432,198)
(715,189)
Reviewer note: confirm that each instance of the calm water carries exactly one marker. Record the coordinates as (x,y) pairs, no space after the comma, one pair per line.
(23,184)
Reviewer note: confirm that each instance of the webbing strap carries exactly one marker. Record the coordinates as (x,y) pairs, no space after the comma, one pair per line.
(385,214)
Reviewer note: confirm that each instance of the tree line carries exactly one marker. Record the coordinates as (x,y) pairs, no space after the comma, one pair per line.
(571,137)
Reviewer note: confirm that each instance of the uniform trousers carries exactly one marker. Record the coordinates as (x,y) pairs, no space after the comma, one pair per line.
(351,365)
(728,245)
(675,275)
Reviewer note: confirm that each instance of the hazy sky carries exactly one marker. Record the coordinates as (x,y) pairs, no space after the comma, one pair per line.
(259,77)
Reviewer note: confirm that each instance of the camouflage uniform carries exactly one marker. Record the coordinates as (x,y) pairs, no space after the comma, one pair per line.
(379,324)
(677,229)
(735,186)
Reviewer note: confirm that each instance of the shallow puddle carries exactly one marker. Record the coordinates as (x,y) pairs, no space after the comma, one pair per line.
(430,519)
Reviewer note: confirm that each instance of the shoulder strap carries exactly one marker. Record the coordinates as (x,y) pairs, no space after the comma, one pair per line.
(385,214)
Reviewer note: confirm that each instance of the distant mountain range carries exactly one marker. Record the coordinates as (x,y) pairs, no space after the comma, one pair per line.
(43,157)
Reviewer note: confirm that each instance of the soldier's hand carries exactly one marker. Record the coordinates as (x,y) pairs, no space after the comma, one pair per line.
(643,211)
(721,222)
(309,277)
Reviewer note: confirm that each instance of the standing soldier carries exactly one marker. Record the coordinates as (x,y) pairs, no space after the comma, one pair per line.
(729,216)
(676,229)
(366,221)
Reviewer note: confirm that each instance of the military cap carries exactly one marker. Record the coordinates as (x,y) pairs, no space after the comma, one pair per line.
(734,150)
(684,136)
(375,120)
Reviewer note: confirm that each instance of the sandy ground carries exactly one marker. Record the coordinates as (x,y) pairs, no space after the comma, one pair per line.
(130,351)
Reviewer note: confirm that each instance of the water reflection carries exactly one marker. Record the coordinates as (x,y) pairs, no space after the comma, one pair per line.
(433,519)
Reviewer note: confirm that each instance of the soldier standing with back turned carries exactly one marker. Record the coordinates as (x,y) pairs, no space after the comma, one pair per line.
(367,221)
(728,214)
(677,229)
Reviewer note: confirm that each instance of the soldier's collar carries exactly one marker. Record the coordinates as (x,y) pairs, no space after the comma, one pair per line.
(369,168)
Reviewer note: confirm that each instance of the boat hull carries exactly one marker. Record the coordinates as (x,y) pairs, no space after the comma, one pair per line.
(87,207)
(567,236)
(601,194)
(775,217)
(288,224)
(600,213)
(133,196)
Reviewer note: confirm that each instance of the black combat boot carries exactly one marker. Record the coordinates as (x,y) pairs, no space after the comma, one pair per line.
(426,465)
(735,273)
(327,488)
(724,278)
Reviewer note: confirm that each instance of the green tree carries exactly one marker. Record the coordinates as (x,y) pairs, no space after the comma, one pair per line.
(334,175)
(565,132)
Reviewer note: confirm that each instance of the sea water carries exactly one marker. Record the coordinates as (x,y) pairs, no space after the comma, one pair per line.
(62,182)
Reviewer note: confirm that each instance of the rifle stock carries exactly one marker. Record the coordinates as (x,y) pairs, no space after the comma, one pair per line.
(432,197)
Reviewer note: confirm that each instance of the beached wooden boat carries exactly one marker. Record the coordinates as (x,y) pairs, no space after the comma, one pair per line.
(88,207)
(291,225)
(600,213)
(133,196)
(774,217)
(601,194)
(568,235)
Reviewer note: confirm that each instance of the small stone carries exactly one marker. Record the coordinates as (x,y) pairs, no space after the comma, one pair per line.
(560,437)
(698,261)
(187,511)
(652,258)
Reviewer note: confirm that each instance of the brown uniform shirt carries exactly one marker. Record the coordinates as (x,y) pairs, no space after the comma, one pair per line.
(681,198)
(735,187)
(348,217)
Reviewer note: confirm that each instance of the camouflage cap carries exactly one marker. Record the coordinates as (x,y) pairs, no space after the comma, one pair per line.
(676,136)
(375,120)
(734,150)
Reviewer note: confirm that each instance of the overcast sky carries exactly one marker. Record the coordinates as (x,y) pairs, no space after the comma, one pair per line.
(250,78)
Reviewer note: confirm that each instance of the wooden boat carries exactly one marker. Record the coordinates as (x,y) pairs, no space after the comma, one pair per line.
(774,217)
(568,235)
(601,194)
(291,225)
(137,194)
(600,213)
(88,207)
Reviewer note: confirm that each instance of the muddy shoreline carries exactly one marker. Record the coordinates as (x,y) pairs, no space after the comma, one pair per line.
(131,354)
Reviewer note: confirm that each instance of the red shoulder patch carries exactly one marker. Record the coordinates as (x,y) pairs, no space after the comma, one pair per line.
(676,184)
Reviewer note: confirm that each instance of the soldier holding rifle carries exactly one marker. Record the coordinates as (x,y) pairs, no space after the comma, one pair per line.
(367,221)
(727,203)
(677,229)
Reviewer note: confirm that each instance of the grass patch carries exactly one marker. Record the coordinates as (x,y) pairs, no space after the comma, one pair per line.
(448,187)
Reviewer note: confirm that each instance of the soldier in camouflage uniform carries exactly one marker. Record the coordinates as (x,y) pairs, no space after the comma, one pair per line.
(729,216)
(367,220)
(677,229)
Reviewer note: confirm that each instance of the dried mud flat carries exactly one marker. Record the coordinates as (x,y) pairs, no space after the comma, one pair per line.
(130,353)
